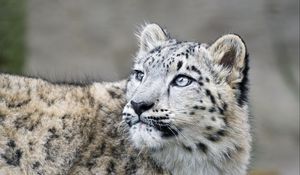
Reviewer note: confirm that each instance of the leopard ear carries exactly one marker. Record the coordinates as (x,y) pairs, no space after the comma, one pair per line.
(229,54)
(151,36)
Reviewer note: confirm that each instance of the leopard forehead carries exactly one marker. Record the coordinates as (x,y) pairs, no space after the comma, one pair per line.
(171,56)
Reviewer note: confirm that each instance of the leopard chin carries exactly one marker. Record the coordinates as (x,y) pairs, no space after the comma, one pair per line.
(144,135)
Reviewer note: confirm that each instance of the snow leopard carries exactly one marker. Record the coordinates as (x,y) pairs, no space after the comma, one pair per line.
(183,110)
(187,103)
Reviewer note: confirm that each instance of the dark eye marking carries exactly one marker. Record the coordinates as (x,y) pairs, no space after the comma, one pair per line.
(179,64)
(196,70)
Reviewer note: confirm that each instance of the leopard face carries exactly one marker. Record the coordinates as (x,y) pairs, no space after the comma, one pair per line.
(179,93)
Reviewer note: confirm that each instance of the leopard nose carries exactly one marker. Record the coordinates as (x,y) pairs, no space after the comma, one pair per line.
(141,107)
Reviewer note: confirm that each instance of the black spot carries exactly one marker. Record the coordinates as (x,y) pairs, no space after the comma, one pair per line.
(212,98)
(199,107)
(192,113)
(222,132)
(131,166)
(111,167)
(208,127)
(214,137)
(221,111)
(201,83)
(202,108)
(50,149)
(12,156)
(202,147)
(187,148)
(36,165)
(18,122)
(113,94)
(19,104)
(212,110)
(90,163)
(11,144)
(53,133)
(207,80)
(213,118)
(179,65)
(186,55)
(225,106)
(196,70)
(24,122)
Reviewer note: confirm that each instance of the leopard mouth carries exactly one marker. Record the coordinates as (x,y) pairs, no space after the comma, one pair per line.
(140,121)
(166,129)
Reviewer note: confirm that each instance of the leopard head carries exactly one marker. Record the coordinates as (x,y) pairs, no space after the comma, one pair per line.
(183,93)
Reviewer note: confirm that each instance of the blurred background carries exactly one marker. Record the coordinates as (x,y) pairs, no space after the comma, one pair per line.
(76,40)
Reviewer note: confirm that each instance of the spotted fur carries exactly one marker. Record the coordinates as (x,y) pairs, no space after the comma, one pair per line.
(48,128)
(187,103)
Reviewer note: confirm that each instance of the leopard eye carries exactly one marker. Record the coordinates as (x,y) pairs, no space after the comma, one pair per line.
(139,75)
(182,81)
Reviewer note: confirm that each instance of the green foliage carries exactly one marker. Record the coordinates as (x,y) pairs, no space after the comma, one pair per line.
(12,30)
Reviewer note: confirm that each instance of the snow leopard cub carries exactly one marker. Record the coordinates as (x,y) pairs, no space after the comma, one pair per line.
(186,113)
(187,104)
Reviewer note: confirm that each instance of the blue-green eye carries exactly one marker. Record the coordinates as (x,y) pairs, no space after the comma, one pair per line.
(139,75)
(182,81)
